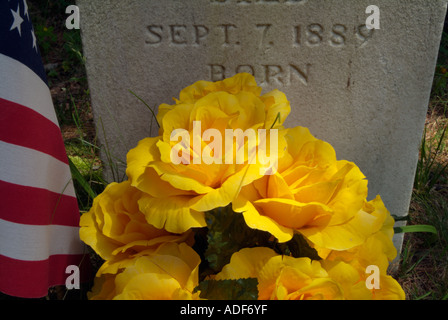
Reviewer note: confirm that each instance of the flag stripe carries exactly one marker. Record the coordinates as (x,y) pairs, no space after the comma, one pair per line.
(31,279)
(25,127)
(37,206)
(28,167)
(24,87)
(34,243)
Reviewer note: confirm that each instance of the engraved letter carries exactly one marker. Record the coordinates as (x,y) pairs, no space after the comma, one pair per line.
(338,35)
(273,73)
(177,35)
(200,32)
(364,34)
(226,28)
(297,36)
(155,34)
(314,34)
(265,28)
(300,74)
(373,21)
(217,72)
(245,68)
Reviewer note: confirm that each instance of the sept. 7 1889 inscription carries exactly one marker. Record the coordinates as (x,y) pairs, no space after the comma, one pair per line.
(265,37)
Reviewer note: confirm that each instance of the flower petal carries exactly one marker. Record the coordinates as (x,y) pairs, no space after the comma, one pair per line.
(256,221)
(278,107)
(343,236)
(172,214)
(246,263)
(294,214)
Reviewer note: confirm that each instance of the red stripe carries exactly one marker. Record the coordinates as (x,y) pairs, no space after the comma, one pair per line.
(25,127)
(31,279)
(28,205)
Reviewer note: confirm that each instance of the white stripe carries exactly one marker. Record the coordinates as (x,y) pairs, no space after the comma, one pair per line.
(36,243)
(32,168)
(21,85)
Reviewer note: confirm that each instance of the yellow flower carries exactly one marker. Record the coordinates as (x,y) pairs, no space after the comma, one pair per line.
(378,250)
(243,86)
(169,273)
(282,277)
(312,193)
(381,232)
(177,194)
(115,228)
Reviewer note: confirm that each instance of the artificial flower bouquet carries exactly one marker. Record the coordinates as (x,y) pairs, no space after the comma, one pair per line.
(227,203)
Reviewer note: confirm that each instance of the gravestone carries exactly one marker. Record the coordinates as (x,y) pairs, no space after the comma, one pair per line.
(363,90)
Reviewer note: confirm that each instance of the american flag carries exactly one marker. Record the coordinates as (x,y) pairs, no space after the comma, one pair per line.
(39,214)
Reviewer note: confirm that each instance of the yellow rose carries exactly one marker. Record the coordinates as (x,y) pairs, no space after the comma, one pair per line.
(378,250)
(177,194)
(282,277)
(381,232)
(312,193)
(242,85)
(115,228)
(169,273)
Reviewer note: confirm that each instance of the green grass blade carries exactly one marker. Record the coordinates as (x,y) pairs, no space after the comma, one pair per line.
(78,177)
(416,228)
(438,149)
(277,118)
(150,109)
(423,296)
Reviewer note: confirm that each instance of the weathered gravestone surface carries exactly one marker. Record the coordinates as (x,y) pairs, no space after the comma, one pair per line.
(365,91)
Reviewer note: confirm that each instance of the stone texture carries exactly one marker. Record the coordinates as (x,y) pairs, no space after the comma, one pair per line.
(364,91)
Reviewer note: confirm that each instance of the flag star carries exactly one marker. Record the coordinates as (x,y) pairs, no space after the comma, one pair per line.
(17,20)
(25,12)
(34,40)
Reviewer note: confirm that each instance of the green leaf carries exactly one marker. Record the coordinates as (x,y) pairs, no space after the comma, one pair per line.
(227,234)
(416,228)
(241,289)
(297,247)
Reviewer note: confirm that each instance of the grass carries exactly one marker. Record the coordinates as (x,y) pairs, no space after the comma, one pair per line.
(61,51)
(423,271)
